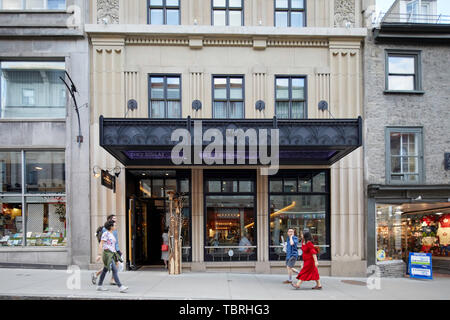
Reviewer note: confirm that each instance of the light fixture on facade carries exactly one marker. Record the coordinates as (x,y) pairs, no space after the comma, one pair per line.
(398,211)
(38,168)
(439,213)
(96,170)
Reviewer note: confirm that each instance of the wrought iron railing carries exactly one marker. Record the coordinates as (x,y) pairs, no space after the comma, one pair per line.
(414,18)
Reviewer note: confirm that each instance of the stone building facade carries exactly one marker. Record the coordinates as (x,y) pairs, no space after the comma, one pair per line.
(128,52)
(44,196)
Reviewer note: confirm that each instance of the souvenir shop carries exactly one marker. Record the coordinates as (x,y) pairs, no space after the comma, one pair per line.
(413,226)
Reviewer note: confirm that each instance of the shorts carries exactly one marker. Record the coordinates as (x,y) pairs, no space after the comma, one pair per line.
(291,262)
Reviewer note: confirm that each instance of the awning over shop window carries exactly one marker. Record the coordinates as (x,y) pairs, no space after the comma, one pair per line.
(301,142)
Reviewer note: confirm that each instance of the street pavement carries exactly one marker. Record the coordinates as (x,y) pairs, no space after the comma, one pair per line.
(157,284)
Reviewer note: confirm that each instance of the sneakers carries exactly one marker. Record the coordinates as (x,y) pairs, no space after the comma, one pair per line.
(101,288)
(287,281)
(123,289)
(94,278)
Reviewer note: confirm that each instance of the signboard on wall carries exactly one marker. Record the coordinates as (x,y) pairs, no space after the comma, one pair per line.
(419,265)
(108,180)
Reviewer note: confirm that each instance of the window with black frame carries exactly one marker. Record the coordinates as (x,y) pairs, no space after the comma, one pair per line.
(227,13)
(299,200)
(228,96)
(165,96)
(290,13)
(230,220)
(164,12)
(290,97)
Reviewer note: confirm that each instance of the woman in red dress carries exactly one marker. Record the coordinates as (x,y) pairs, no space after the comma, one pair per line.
(309,271)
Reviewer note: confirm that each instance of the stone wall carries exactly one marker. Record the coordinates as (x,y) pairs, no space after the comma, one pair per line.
(430,110)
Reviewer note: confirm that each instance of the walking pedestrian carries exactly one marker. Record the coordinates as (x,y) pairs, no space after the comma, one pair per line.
(291,253)
(95,275)
(310,264)
(164,246)
(109,256)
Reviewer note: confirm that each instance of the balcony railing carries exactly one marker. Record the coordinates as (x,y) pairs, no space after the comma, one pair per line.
(414,18)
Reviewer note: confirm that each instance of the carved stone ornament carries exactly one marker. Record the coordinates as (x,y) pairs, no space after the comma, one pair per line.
(344,12)
(107,11)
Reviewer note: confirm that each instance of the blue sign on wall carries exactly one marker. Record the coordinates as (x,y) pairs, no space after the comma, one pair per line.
(419,265)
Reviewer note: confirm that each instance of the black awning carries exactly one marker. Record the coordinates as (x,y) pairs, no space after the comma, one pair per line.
(301,142)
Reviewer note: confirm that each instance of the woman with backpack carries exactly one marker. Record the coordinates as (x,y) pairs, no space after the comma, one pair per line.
(98,234)
(109,256)
(310,264)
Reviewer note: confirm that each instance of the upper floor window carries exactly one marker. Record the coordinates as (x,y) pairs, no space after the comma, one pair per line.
(404,155)
(227,13)
(228,96)
(164,12)
(290,100)
(290,13)
(165,96)
(403,71)
(32,4)
(31,89)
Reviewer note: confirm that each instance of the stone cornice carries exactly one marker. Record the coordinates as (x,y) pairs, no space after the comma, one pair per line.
(214,31)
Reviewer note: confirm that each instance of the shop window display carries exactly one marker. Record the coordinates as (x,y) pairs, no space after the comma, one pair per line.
(11,226)
(399,233)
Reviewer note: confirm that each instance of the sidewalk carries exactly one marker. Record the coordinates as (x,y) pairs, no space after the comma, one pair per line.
(51,284)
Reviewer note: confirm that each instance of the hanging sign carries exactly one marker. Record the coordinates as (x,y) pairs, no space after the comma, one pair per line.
(419,265)
(108,180)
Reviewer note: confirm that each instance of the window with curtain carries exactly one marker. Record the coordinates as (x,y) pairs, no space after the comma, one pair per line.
(290,99)
(405,155)
(31,89)
(165,96)
(228,96)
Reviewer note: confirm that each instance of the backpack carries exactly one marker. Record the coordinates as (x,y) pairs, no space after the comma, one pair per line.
(99,233)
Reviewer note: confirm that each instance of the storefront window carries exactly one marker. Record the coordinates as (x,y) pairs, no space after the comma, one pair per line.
(297,203)
(11,226)
(46,221)
(11,172)
(32,89)
(389,232)
(405,228)
(230,220)
(37,217)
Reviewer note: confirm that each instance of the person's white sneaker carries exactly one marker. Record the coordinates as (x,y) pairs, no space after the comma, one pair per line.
(101,288)
(123,289)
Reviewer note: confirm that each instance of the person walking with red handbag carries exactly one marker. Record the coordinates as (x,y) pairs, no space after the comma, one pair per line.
(165,247)
(309,271)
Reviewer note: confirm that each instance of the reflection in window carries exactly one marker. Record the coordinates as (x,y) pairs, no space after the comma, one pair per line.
(11,171)
(402,72)
(164,12)
(227,13)
(165,96)
(32,89)
(33,4)
(230,220)
(290,101)
(299,201)
(45,171)
(228,95)
(289,13)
